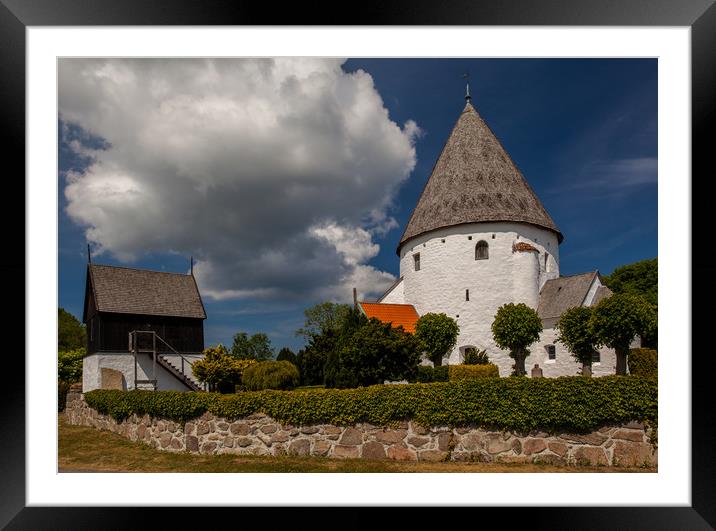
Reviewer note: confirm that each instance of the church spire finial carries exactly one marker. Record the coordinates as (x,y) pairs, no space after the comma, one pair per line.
(467,88)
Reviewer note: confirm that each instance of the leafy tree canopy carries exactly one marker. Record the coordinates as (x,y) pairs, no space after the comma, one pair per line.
(323,316)
(257,347)
(438,334)
(69,365)
(286,354)
(71,333)
(639,278)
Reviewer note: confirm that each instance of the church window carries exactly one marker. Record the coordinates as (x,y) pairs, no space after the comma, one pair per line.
(546,256)
(469,237)
(481,250)
(596,357)
(467,294)
(551,352)
(443,240)
(416,260)
(493,236)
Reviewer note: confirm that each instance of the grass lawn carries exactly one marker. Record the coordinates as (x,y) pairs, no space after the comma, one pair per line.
(83,449)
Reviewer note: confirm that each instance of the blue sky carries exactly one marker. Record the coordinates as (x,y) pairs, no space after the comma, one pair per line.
(290,183)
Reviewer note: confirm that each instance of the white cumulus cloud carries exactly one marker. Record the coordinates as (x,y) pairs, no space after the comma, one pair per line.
(275,173)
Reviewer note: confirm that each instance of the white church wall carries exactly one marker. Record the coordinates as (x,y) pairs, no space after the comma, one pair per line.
(93,364)
(448,268)
(396,295)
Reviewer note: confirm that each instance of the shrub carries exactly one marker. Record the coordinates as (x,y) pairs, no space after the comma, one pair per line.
(69,365)
(475,357)
(468,372)
(428,374)
(550,404)
(219,369)
(643,362)
(271,375)
(438,334)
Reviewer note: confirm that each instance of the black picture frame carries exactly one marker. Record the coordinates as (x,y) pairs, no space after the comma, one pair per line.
(17,15)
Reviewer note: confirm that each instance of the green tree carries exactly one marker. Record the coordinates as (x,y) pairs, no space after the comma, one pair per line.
(618,319)
(515,328)
(286,354)
(438,333)
(639,278)
(257,347)
(220,369)
(69,365)
(71,333)
(270,375)
(321,317)
(371,354)
(577,334)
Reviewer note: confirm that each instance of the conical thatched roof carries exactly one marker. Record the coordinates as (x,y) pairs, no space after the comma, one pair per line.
(475,180)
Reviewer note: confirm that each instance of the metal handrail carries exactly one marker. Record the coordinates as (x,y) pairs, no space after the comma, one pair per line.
(175,351)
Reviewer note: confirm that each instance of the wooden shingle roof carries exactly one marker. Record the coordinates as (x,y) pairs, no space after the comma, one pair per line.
(139,291)
(475,180)
(403,315)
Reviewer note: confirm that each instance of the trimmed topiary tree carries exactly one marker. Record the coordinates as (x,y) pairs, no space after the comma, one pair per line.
(438,333)
(618,319)
(576,333)
(515,328)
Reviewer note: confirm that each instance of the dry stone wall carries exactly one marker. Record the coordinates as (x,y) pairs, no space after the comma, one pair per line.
(618,445)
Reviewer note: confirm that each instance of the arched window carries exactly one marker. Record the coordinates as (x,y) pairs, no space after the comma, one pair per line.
(481,250)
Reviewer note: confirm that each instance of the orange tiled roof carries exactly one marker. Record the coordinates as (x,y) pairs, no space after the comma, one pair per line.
(397,314)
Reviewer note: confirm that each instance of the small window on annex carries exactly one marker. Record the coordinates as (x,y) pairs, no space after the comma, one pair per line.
(596,357)
(551,352)
(416,261)
(481,250)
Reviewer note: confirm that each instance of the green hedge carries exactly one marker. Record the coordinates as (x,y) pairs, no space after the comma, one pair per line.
(428,374)
(468,372)
(570,403)
(643,362)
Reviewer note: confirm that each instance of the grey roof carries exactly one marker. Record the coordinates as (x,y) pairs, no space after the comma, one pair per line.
(475,180)
(138,291)
(560,294)
(602,293)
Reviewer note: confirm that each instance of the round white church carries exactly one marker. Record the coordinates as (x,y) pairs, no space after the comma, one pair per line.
(479,238)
